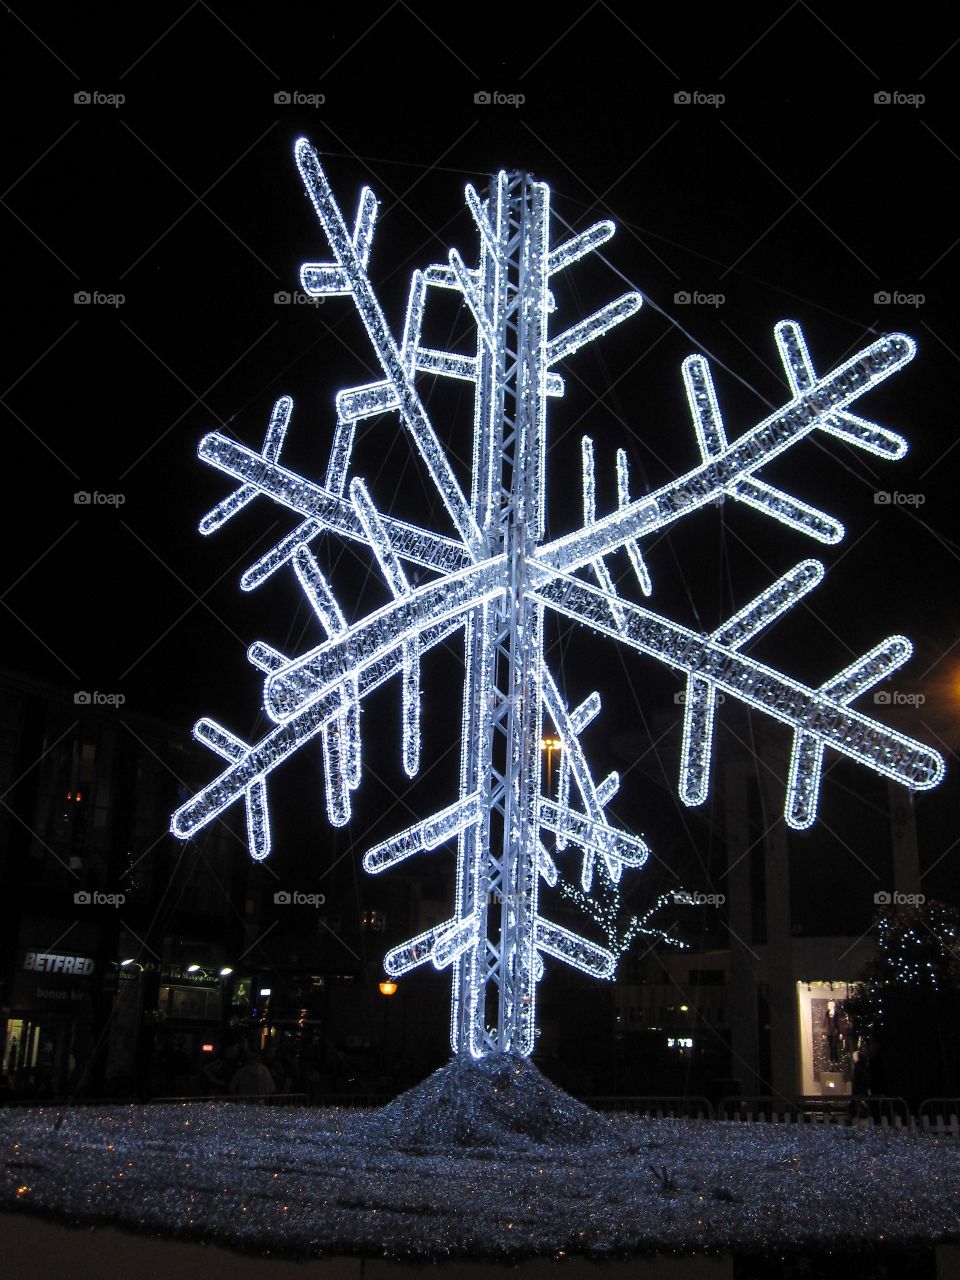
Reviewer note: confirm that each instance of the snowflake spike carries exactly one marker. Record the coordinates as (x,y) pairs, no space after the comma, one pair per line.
(414,414)
(806,757)
(479,214)
(392,569)
(712,441)
(329,510)
(569,947)
(272,444)
(846,426)
(623,500)
(769,605)
(326,279)
(265,657)
(457,939)
(413,320)
(347,757)
(335,776)
(608,788)
(600,570)
(229,747)
(593,327)
(367,209)
(699,705)
(317,590)
(426,835)
(468,287)
(578,246)
(258,821)
(586,871)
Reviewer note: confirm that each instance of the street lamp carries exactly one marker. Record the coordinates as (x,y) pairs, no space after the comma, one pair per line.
(550,745)
(388,988)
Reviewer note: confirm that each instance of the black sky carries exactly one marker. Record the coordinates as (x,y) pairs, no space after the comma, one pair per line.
(799,196)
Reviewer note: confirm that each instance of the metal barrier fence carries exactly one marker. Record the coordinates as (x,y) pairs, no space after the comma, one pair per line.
(691,1107)
(940,1115)
(815,1108)
(59,1104)
(268,1099)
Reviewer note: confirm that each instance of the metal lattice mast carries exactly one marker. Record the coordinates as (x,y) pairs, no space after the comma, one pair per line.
(498,862)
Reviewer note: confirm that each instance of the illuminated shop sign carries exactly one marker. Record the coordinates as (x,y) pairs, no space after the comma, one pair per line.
(45,962)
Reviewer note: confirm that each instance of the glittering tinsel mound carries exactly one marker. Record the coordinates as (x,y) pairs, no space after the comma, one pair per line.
(497,1101)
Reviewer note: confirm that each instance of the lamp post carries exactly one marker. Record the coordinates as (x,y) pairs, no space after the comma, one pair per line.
(550,745)
(387,988)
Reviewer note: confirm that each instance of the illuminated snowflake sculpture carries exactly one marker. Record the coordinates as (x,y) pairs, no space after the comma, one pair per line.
(494,580)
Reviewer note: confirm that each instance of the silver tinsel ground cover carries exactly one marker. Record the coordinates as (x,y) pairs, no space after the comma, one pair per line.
(481,1160)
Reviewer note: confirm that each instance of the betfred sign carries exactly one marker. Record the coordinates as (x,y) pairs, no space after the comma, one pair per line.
(47,962)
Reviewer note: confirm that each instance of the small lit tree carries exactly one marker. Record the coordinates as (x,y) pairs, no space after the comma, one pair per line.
(907,1007)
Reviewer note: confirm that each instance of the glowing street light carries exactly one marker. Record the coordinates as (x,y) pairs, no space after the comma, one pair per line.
(550,745)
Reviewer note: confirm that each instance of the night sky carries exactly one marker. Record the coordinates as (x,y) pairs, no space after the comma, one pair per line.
(798,196)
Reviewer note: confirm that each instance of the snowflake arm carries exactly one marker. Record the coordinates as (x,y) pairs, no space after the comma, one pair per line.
(724,469)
